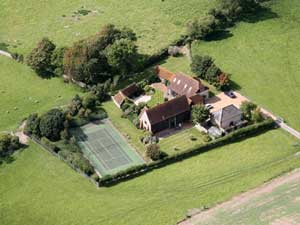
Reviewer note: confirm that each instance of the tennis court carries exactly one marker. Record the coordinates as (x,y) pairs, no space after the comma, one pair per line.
(106,149)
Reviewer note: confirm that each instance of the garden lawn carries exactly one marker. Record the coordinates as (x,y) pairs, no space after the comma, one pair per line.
(39,189)
(263,58)
(126,128)
(22,92)
(156,99)
(181,141)
(157,23)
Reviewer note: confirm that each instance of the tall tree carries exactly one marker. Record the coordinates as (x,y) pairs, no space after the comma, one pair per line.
(122,56)
(40,57)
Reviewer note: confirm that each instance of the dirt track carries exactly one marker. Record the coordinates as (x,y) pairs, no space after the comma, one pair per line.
(276,202)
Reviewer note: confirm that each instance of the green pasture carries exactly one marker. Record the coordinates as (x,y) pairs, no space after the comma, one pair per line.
(157,23)
(22,92)
(263,57)
(281,206)
(38,188)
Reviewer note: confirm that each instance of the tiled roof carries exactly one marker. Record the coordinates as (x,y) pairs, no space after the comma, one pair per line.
(183,84)
(119,98)
(163,73)
(227,113)
(168,110)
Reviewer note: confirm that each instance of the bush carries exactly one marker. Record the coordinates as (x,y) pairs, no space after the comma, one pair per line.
(8,144)
(50,145)
(153,152)
(33,125)
(201,64)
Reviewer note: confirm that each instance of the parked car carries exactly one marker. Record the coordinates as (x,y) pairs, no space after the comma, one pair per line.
(230,94)
(209,106)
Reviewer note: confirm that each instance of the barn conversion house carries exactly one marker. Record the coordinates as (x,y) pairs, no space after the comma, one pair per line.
(167,115)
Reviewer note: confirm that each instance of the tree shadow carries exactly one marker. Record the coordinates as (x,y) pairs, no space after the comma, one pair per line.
(219,35)
(4,46)
(234,86)
(262,14)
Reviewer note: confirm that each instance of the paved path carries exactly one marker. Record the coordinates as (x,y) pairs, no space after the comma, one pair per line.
(291,130)
(281,123)
(6,54)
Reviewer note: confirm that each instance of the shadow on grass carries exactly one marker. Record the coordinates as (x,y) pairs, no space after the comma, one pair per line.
(235,86)
(219,35)
(262,14)
(11,158)
(4,46)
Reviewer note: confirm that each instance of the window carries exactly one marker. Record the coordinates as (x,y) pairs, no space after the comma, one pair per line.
(178,82)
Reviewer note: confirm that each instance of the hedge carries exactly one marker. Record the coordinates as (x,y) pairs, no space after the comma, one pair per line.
(230,138)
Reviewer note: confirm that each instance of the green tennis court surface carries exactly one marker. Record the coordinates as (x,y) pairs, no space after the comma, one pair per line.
(106,148)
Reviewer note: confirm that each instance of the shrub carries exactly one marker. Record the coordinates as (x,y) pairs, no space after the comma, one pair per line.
(153,152)
(8,144)
(200,114)
(201,64)
(248,108)
(33,125)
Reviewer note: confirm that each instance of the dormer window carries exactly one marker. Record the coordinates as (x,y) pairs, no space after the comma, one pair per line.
(174,79)
(185,86)
(178,82)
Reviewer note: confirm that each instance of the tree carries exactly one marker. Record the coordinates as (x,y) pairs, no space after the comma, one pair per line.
(153,152)
(86,61)
(40,58)
(51,124)
(223,82)
(57,60)
(33,125)
(247,109)
(89,101)
(122,56)
(200,65)
(201,28)
(212,74)
(257,116)
(200,114)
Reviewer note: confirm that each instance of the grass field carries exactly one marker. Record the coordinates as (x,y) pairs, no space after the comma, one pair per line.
(181,141)
(22,92)
(22,24)
(39,189)
(156,99)
(105,148)
(263,58)
(274,203)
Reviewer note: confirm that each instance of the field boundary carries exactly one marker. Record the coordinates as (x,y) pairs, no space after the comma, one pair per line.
(48,149)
